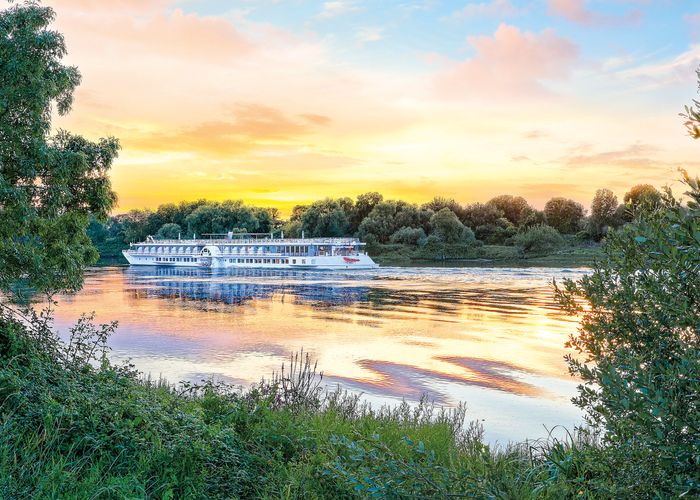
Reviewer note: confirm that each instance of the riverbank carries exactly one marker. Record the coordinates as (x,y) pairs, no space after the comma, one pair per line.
(76,428)
(570,255)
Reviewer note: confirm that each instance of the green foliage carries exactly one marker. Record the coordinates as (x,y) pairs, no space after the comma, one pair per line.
(513,207)
(440,202)
(604,213)
(538,239)
(169,231)
(49,186)
(642,197)
(497,233)
(364,204)
(389,216)
(480,214)
(692,115)
(447,228)
(408,235)
(532,217)
(327,218)
(639,345)
(564,215)
(220,218)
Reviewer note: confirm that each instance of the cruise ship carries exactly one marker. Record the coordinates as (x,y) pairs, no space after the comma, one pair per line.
(252,251)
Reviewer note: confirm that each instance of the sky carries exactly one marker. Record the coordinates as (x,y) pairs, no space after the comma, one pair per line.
(280,102)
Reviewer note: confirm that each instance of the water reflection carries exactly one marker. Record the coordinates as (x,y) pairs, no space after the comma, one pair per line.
(237,286)
(491,337)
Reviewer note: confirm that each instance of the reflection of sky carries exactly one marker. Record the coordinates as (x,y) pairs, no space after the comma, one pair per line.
(491,337)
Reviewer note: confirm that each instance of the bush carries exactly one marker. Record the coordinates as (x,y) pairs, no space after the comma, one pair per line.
(496,234)
(538,239)
(446,227)
(408,235)
(639,342)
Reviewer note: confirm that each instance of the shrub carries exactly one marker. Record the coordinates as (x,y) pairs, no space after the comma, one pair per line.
(538,239)
(639,343)
(447,227)
(408,235)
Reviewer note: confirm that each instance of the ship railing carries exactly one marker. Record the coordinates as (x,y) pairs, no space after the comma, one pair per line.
(259,241)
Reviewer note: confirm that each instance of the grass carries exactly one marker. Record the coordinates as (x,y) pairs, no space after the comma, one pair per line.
(74,426)
(572,254)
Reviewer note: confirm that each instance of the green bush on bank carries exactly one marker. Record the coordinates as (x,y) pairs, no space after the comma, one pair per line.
(538,239)
(640,345)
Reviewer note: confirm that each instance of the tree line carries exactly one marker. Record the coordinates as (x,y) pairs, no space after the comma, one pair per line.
(504,219)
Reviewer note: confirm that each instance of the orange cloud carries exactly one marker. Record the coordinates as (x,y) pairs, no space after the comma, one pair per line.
(511,62)
(253,126)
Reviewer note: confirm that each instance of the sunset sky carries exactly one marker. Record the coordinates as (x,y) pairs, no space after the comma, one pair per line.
(279,102)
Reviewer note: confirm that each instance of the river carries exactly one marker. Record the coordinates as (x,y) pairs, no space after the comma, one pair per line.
(490,337)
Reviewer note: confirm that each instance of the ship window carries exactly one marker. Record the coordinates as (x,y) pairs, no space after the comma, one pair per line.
(303,261)
(294,261)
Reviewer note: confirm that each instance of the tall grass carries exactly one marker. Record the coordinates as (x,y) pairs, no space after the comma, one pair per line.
(72,425)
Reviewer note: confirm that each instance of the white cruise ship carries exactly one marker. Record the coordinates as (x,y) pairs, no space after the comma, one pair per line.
(252,252)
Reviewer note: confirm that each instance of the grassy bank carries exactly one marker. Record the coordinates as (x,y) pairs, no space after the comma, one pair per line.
(74,426)
(570,255)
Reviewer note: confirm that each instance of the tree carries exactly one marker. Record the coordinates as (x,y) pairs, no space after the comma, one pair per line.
(298,212)
(639,350)
(440,202)
(532,217)
(604,212)
(169,231)
(389,216)
(220,218)
(480,214)
(692,115)
(49,186)
(363,206)
(513,207)
(564,215)
(447,227)
(642,197)
(325,218)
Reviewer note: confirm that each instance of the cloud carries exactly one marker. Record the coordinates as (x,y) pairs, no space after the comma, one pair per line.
(534,134)
(316,119)
(337,8)
(370,34)
(679,69)
(634,156)
(492,8)
(254,126)
(577,12)
(511,62)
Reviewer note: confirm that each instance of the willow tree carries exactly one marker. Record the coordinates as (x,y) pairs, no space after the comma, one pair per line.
(50,185)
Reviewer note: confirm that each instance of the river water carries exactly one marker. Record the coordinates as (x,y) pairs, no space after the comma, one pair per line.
(490,337)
